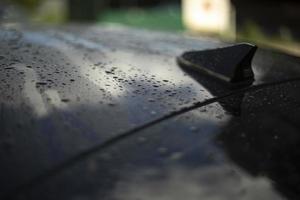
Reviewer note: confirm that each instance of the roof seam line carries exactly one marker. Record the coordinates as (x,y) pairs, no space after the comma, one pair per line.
(84,155)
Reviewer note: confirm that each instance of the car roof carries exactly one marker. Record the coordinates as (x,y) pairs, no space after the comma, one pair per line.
(99,111)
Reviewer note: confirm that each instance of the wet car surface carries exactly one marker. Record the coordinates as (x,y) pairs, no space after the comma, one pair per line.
(106,113)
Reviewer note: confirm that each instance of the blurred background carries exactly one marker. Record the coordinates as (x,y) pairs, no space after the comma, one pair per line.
(268,23)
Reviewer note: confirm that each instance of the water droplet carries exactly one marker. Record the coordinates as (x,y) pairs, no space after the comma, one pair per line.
(243,135)
(41,83)
(162,150)
(65,100)
(151,100)
(176,156)
(193,128)
(141,139)
(153,112)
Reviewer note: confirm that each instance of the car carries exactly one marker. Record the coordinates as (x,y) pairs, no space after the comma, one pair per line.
(109,112)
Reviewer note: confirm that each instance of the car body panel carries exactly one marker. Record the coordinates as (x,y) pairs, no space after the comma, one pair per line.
(67,90)
(207,153)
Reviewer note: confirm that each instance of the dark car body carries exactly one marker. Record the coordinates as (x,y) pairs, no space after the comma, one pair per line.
(92,112)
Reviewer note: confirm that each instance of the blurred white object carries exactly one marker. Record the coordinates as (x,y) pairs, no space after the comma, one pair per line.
(209,16)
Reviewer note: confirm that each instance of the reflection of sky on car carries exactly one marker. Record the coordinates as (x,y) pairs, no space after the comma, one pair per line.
(127,64)
(95,98)
(210,183)
(71,78)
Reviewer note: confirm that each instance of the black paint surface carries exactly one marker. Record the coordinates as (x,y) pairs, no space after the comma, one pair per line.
(106,113)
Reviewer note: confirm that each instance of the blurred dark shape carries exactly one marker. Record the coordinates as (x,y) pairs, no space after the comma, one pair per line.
(89,10)
(271,16)
(1,10)
(139,3)
(29,4)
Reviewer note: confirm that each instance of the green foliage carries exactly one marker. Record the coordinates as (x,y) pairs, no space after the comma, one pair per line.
(161,18)
(28,4)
